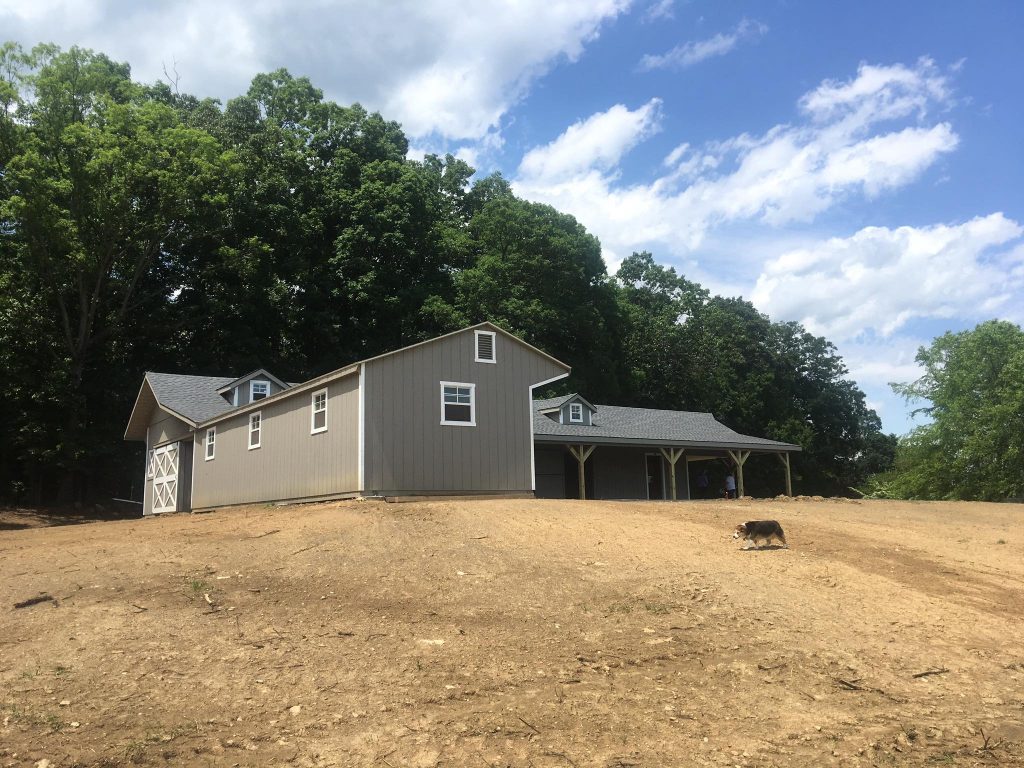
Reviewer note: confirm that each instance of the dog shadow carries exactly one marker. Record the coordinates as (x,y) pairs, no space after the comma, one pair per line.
(766,548)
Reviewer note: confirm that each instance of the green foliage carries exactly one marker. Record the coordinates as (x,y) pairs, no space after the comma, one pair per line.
(145,229)
(973,445)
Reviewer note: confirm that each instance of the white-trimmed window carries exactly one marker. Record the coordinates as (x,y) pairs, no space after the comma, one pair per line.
(255,429)
(485,347)
(458,404)
(575,413)
(318,419)
(211,442)
(258,390)
(151,465)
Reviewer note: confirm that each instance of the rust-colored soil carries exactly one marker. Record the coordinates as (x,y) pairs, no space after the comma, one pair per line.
(517,633)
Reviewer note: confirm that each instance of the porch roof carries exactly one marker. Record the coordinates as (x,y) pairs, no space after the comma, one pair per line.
(617,425)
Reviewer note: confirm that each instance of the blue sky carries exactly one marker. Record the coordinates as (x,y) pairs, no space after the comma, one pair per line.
(852,166)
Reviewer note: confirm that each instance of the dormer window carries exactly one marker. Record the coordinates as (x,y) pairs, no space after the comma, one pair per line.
(485,347)
(575,413)
(258,390)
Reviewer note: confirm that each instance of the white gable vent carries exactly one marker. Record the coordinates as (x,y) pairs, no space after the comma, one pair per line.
(485,347)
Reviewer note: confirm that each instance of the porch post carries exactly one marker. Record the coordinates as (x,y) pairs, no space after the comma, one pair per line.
(784,458)
(581,453)
(672,456)
(739,458)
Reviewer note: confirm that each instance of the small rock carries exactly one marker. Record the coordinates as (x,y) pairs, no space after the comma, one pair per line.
(44,763)
(75,725)
(295,710)
(65,703)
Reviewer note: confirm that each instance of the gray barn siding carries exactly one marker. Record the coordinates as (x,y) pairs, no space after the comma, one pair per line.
(619,473)
(291,463)
(550,469)
(165,428)
(408,451)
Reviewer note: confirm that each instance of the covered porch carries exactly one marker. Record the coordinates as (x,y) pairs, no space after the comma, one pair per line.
(631,469)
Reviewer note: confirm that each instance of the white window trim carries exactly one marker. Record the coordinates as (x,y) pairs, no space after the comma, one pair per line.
(252,389)
(151,466)
(472,404)
(572,416)
(207,444)
(476,346)
(313,430)
(251,416)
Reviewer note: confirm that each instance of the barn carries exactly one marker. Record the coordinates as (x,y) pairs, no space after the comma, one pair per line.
(454,415)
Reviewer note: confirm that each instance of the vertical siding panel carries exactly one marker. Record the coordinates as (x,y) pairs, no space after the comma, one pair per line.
(291,463)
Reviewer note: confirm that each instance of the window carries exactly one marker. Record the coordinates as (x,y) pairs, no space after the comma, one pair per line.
(255,429)
(319,417)
(458,404)
(575,413)
(485,347)
(211,440)
(259,389)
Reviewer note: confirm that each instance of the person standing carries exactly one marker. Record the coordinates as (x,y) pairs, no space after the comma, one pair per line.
(730,486)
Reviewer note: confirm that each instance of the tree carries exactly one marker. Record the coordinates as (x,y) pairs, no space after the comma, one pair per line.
(100,186)
(973,446)
(539,274)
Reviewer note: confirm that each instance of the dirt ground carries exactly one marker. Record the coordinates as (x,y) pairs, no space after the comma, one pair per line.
(516,633)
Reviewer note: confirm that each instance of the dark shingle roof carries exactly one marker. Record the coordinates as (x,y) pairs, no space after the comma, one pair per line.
(194,397)
(614,423)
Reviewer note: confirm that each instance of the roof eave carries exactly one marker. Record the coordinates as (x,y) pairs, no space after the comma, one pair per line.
(641,441)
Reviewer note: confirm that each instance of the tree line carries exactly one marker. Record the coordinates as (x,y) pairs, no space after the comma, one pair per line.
(146,229)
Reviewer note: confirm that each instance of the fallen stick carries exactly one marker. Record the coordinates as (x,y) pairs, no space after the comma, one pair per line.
(268,533)
(528,725)
(36,601)
(928,672)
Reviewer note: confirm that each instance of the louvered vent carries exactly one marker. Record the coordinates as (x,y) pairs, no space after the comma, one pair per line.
(485,347)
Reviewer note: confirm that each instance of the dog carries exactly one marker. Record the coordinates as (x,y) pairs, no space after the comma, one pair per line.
(759,530)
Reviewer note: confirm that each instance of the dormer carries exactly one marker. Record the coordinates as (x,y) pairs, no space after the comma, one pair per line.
(572,409)
(255,385)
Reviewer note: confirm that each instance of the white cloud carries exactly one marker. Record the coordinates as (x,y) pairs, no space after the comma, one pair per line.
(879,279)
(440,67)
(883,91)
(722,212)
(694,52)
(599,142)
(791,173)
(659,9)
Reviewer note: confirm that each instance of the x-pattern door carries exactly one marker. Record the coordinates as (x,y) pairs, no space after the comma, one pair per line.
(165,478)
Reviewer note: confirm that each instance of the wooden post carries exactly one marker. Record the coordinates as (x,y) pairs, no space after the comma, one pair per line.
(739,458)
(784,458)
(582,453)
(672,456)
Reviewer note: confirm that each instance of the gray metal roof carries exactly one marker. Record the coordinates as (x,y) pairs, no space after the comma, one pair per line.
(194,397)
(634,426)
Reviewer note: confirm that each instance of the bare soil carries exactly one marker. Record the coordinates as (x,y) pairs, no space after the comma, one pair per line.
(516,633)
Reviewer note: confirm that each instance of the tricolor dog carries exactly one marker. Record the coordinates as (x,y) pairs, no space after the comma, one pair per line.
(759,530)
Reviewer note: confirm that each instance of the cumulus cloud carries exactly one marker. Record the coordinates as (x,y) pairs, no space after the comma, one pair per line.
(792,173)
(599,142)
(441,67)
(879,279)
(694,52)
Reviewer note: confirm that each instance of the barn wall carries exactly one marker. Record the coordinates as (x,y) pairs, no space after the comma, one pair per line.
(408,450)
(291,463)
(163,429)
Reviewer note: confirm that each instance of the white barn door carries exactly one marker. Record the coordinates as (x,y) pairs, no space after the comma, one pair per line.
(165,478)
